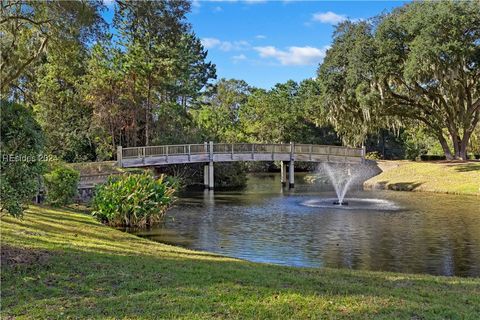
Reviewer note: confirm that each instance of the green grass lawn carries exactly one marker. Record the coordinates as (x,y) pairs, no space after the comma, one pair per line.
(60,264)
(445,177)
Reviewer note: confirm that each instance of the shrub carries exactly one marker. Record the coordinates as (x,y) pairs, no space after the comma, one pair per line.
(61,185)
(133,200)
(21,145)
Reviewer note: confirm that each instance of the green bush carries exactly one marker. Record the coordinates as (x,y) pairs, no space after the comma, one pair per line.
(21,166)
(61,185)
(133,200)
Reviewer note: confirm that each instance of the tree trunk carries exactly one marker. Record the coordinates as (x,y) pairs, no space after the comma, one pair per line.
(445,147)
(147,114)
(463,150)
(456,146)
(383,144)
(464,144)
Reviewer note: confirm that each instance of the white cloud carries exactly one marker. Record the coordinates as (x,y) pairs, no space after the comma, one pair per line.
(217,9)
(329,17)
(239,57)
(260,36)
(294,55)
(210,43)
(196,4)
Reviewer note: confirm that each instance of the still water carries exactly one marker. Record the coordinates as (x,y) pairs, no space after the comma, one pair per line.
(380,230)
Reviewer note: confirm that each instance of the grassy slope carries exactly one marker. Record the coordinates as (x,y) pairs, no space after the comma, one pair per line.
(88,270)
(458,178)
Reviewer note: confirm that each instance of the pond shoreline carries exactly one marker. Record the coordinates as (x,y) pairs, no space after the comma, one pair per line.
(461,178)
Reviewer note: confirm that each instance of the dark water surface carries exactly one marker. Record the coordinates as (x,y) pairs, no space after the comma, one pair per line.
(379,230)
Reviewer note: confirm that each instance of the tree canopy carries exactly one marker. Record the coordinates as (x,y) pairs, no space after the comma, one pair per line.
(146,79)
(418,65)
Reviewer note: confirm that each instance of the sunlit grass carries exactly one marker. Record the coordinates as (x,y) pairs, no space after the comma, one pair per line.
(93,271)
(456,178)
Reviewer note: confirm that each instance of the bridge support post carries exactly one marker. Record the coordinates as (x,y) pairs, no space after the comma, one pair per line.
(119,156)
(205,176)
(210,175)
(291,174)
(283,173)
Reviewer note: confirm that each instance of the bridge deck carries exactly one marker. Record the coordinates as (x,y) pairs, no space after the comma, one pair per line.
(223,152)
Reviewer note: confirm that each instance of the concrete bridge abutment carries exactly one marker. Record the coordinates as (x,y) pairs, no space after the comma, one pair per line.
(208,176)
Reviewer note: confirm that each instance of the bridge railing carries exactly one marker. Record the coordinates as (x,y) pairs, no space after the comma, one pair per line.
(238,148)
(152,151)
(223,148)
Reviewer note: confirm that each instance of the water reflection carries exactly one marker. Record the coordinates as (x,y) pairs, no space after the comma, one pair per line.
(426,233)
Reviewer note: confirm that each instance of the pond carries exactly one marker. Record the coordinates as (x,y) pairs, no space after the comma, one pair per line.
(379,230)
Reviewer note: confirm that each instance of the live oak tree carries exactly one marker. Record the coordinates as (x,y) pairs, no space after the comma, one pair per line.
(30,28)
(346,79)
(429,68)
(418,64)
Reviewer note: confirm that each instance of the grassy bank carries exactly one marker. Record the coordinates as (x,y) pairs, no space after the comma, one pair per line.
(59,264)
(444,177)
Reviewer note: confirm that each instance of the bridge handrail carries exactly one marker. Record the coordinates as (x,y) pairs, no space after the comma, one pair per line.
(239,148)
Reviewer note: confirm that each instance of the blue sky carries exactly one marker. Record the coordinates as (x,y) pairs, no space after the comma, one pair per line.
(267,42)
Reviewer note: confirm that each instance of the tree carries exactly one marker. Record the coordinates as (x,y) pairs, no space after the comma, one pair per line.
(21,166)
(429,68)
(418,64)
(281,115)
(44,48)
(345,78)
(59,106)
(29,28)
(219,114)
(163,57)
(108,91)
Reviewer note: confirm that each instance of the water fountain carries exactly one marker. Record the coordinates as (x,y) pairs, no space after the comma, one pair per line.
(341,179)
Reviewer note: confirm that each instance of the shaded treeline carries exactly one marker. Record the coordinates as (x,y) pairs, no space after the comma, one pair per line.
(403,84)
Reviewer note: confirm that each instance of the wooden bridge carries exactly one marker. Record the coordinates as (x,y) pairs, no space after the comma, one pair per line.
(152,156)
